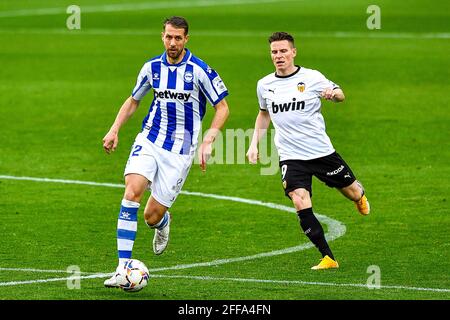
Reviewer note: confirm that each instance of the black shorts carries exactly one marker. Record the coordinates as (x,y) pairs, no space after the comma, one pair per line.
(330,169)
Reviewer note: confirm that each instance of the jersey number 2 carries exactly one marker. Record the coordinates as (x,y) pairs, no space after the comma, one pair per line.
(136,150)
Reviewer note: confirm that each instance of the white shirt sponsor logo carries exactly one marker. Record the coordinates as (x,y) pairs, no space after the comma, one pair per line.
(332,173)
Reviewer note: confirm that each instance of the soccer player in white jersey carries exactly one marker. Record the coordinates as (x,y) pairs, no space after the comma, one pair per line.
(163,151)
(291,98)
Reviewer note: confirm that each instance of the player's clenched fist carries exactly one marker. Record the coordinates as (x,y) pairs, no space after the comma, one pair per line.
(204,153)
(110,142)
(328,94)
(252,154)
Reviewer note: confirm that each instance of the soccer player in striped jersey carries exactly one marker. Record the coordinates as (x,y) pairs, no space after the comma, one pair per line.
(290,98)
(163,151)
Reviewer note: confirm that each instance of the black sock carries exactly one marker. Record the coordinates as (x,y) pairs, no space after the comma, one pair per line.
(314,231)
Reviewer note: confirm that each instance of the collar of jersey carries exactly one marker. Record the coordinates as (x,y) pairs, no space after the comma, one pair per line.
(185,59)
(289,75)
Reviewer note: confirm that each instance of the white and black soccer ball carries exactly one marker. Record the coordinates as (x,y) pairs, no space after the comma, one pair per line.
(132,275)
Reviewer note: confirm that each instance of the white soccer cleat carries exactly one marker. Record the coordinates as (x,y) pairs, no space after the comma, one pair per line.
(111,282)
(161,238)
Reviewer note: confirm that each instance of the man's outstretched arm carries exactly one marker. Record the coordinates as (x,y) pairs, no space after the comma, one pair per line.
(261,124)
(221,116)
(111,139)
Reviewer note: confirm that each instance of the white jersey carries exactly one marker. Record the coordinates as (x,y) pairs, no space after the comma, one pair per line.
(181,92)
(293,103)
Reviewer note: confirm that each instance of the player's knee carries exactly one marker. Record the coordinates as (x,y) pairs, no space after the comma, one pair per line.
(153,213)
(132,195)
(152,217)
(301,198)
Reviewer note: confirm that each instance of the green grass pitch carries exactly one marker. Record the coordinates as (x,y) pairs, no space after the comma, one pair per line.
(61,89)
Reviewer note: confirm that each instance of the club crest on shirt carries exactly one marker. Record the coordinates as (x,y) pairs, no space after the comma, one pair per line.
(301,86)
(188,77)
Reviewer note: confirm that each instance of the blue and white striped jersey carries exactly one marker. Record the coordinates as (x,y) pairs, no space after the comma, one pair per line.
(181,92)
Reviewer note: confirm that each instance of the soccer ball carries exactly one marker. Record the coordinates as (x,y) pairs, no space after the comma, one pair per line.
(132,275)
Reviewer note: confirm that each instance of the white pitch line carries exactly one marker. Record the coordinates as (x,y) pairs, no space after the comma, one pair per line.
(89,183)
(335,228)
(134,7)
(73,277)
(230,260)
(38,270)
(209,278)
(333,225)
(234,34)
(359,285)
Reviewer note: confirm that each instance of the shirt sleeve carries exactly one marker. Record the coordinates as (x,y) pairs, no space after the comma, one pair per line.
(142,84)
(321,83)
(261,100)
(212,86)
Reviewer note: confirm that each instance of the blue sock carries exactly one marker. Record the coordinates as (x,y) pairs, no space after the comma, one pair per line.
(126,229)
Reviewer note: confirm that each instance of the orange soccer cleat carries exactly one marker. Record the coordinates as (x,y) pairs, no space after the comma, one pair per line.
(326,263)
(363,205)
